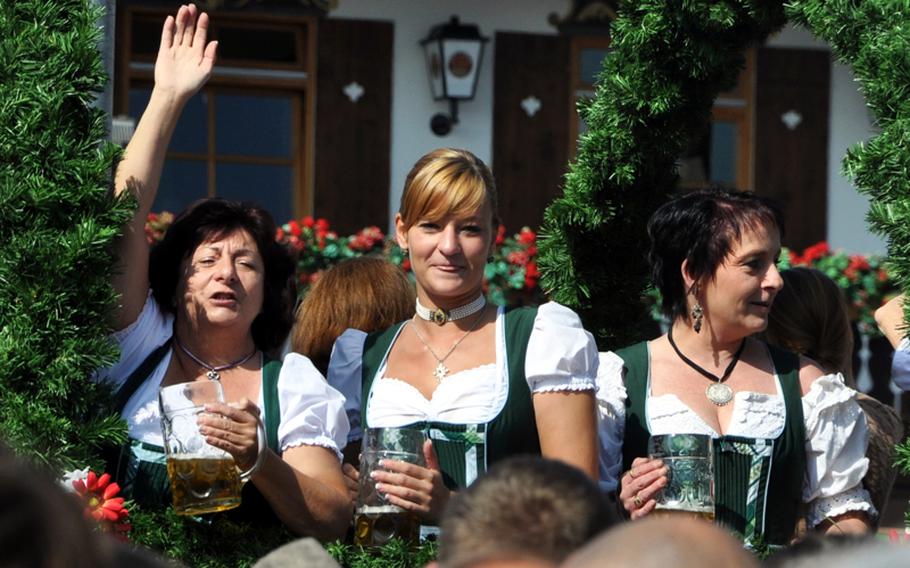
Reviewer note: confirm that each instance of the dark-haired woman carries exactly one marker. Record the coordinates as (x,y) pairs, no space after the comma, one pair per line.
(790,440)
(210,304)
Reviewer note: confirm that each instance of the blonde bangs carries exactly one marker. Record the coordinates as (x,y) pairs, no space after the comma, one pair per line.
(444,184)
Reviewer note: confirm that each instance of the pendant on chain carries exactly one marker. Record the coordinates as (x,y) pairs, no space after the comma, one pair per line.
(213,375)
(441,371)
(719,393)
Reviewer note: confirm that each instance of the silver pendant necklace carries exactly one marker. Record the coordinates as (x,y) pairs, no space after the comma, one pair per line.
(213,372)
(717,392)
(441,371)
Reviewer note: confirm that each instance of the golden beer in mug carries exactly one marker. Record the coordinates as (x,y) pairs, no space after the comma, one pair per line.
(375,526)
(203,484)
(203,478)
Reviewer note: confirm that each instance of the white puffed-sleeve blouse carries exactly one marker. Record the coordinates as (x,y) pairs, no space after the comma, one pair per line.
(561,356)
(836,434)
(312,412)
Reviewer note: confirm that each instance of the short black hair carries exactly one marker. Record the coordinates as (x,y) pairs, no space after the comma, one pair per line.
(214,218)
(700,227)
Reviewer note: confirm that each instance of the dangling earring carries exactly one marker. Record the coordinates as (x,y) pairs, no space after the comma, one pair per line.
(404,251)
(697,317)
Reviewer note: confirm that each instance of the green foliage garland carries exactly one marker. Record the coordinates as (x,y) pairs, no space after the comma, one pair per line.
(57,224)
(668,62)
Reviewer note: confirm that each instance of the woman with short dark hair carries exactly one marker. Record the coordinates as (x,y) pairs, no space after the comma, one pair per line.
(212,302)
(786,434)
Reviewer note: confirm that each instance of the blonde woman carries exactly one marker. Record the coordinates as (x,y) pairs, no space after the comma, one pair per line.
(482,381)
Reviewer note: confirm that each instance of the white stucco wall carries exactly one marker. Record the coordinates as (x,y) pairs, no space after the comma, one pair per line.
(412,104)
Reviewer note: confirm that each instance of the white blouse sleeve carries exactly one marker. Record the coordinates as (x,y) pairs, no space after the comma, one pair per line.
(611,419)
(836,441)
(900,365)
(137,341)
(312,412)
(561,355)
(345,374)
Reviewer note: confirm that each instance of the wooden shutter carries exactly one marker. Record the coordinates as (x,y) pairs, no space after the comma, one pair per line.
(791,161)
(529,152)
(353,137)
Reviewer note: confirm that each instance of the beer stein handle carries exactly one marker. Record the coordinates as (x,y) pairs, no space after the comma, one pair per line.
(246,475)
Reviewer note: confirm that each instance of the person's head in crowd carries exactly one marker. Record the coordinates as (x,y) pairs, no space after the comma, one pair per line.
(809,317)
(656,542)
(210,220)
(692,239)
(841,551)
(526,512)
(448,183)
(365,293)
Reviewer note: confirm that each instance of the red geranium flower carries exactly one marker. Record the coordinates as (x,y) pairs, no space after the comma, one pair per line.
(527,236)
(531,275)
(294,228)
(500,235)
(102,503)
(815,252)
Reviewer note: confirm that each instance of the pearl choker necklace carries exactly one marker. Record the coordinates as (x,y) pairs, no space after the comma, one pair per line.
(440,316)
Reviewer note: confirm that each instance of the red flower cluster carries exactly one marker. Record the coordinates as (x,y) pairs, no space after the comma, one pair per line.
(500,235)
(366,239)
(102,503)
(811,254)
(857,263)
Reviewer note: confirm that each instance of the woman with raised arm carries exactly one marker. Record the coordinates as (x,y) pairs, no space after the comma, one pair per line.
(789,438)
(483,382)
(211,302)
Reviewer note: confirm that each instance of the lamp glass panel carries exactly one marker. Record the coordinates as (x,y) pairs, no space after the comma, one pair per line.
(461,62)
(433,55)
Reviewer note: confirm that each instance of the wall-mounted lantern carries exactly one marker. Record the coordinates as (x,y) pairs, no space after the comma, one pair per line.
(453,52)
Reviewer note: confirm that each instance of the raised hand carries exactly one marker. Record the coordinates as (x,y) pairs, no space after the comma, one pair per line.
(185,60)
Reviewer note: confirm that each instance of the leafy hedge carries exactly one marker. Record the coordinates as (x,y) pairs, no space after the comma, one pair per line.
(57,225)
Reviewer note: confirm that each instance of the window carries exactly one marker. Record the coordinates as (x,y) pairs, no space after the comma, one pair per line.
(722,154)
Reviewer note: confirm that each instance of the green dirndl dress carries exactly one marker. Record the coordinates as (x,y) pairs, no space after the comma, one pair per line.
(140,468)
(466,451)
(757,481)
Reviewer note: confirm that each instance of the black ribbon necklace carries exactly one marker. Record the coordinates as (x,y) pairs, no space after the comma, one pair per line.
(717,392)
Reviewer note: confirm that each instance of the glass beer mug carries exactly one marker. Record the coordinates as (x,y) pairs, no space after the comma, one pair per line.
(204,479)
(376,521)
(690,484)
